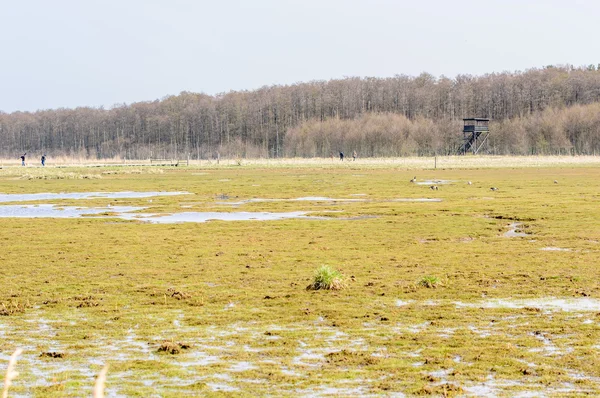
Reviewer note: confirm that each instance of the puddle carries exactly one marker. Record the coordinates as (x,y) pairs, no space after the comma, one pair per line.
(324,199)
(446,333)
(200,359)
(357,218)
(288,372)
(513,231)
(309,358)
(583,304)
(434,182)
(53,211)
(328,391)
(489,388)
(242,367)
(548,348)
(222,387)
(127,213)
(5,198)
(555,249)
(483,333)
(199,217)
(441,374)
(415,329)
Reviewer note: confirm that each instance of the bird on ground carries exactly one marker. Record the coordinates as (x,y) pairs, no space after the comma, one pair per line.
(556,182)
(414,179)
(469,183)
(433,187)
(493,188)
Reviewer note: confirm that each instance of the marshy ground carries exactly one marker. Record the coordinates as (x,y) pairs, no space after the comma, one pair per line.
(457,291)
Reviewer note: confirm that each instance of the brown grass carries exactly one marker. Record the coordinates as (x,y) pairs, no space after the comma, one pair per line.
(11,373)
(100,382)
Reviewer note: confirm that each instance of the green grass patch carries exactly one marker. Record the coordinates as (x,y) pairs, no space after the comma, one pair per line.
(429,281)
(327,278)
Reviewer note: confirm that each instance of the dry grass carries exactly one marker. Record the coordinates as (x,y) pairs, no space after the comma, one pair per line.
(443,162)
(136,170)
(100,382)
(12,307)
(35,161)
(43,175)
(11,373)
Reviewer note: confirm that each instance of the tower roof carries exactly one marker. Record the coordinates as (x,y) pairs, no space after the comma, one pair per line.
(477,119)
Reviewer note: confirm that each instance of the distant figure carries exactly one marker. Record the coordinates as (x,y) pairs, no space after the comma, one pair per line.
(23,159)
(354,155)
(43,159)
(414,179)
(341,156)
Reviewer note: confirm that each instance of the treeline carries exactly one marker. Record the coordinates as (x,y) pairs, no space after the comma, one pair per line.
(536,111)
(553,131)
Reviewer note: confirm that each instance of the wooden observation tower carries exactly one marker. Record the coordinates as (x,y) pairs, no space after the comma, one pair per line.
(475,135)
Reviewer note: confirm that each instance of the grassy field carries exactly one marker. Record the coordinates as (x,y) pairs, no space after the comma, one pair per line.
(436,299)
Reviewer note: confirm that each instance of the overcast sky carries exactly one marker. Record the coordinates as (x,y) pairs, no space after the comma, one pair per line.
(69,53)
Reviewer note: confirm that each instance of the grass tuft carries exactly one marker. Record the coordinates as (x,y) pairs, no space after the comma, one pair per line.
(327,278)
(179,295)
(172,348)
(429,281)
(13,307)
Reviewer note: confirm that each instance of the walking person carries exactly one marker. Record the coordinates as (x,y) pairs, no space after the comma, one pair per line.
(43,159)
(23,159)
(342,156)
(354,155)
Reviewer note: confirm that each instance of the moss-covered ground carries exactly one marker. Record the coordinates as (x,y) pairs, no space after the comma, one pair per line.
(437,300)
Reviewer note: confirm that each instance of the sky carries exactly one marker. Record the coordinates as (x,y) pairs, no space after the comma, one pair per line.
(70,53)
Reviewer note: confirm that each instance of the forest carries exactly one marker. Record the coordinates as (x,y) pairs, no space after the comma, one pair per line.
(550,110)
